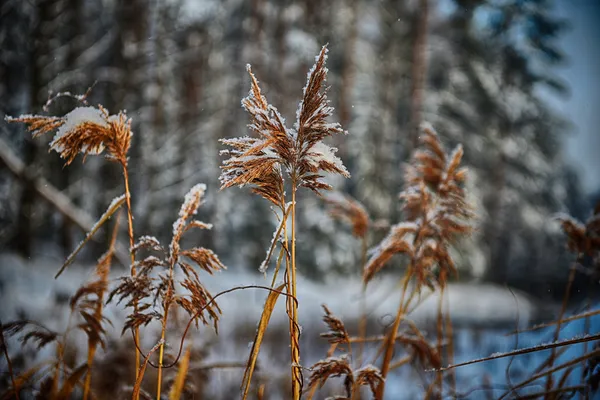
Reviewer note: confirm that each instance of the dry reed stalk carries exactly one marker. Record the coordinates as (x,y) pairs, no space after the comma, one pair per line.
(262,327)
(89,130)
(300,152)
(94,326)
(179,384)
(437,214)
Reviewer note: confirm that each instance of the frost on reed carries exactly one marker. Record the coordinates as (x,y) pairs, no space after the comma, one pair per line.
(276,153)
(298,152)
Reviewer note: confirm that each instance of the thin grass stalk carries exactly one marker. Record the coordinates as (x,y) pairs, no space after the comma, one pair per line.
(546,394)
(586,331)
(161,349)
(403,361)
(290,299)
(563,321)
(294,334)
(563,309)
(92,345)
(550,371)
(9,362)
(60,351)
(389,345)
(440,336)
(136,332)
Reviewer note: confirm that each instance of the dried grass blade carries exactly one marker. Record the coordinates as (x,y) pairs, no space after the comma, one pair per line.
(112,208)
(276,236)
(140,376)
(179,383)
(563,321)
(262,327)
(22,379)
(73,380)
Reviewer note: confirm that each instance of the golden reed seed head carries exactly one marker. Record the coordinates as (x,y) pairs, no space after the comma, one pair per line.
(261,161)
(436,212)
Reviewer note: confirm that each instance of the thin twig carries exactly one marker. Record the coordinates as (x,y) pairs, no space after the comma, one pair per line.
(189,324)
(526,350)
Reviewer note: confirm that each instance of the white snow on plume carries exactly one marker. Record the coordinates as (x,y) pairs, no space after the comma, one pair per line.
(320,152)
(76,117)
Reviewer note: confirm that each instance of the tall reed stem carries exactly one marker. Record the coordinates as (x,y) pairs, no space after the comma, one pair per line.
(161,354)
(294,334)
(98,314)
(391,339)
(563,309)
(136,332)
(166,304)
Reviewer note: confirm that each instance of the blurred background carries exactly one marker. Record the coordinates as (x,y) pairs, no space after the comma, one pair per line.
(514,81)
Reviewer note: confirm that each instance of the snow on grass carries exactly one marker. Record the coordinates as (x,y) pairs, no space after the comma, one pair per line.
(76,117)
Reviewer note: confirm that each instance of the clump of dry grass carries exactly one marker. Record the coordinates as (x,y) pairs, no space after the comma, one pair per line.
(90,130)
(279,152)
(154,295)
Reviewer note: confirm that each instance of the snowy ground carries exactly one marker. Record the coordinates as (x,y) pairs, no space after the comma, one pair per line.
(482,315)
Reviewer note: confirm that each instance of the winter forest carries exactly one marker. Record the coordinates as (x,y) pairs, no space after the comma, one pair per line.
(388,151)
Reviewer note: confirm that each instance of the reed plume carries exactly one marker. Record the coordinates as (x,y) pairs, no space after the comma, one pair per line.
(437,214)
(297,153)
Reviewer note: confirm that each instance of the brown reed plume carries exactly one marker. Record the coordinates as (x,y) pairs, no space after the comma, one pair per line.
(90,130)
(298,153)
(437,214)
(147,289)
